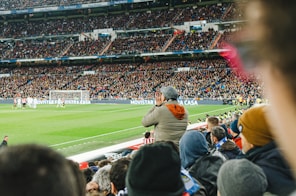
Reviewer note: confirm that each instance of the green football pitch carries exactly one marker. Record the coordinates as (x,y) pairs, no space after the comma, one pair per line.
(81,128)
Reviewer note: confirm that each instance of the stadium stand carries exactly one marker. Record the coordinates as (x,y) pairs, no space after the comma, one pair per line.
(122,50)
(131,50)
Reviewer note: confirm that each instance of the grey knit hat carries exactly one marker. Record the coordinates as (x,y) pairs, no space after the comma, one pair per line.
(169,92)
(241,177)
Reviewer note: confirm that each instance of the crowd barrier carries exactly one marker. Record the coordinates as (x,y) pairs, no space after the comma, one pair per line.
(103,153)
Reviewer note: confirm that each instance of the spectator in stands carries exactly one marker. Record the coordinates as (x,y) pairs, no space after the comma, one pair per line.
(192,147)
(88,174)
(168,116)
(95,193)
(272,39)
(102,178)
(92,165)
(45,172)
(78,176)
(4,142)
(155,170)
(241,177)
(235,133)
(103,162)
(201,164)
(226,146)
(212,121)
(260,148)
(117,176)
(92,186)
(192,186)
(148,137)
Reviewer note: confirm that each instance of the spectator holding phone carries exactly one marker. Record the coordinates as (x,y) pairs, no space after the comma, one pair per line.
(168,117)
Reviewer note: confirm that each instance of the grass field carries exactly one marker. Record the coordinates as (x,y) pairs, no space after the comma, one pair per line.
(81,128)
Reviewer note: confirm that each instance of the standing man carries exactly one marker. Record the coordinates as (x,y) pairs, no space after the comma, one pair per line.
(4,142)
(168,116)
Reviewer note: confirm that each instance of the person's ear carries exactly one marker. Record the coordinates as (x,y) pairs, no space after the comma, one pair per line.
(216,139)
(113,189)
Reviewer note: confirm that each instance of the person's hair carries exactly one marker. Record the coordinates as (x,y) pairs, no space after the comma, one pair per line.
(214,121)
(104,162)
(91,163)
(102,177)
(118,172)
(79,177)
(218,132)
(35,170)
(88,174)
(277,41)
(147,134)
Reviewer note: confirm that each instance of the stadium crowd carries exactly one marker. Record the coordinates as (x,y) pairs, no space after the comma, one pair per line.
(241,156)
(133,44)
(24,4)
(138,20)
(204,79)
(59,36)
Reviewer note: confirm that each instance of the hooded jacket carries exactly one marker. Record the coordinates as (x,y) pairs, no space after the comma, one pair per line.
(169,120)
(230,150)
(193,145)
(201,164)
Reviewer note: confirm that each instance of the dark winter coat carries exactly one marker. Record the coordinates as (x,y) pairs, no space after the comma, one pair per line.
(278,173)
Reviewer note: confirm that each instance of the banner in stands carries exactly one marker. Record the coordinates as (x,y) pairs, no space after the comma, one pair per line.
(66,102)
(152,102)
(125,101)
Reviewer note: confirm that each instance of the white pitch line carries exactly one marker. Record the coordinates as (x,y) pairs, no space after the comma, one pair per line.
(135,108)
(95,136)
(123,130)
(212,111)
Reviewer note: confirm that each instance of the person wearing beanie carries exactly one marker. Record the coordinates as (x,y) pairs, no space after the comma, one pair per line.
(168,117)
(155,170)
(258,146)
(241,177)
(235,133)
(224,145)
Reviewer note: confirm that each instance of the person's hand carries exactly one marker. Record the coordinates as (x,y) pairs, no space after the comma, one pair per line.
(158,100)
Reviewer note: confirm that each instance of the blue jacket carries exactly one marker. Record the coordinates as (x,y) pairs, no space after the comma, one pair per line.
(279,174)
